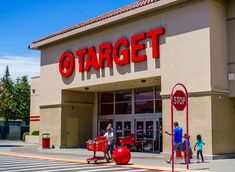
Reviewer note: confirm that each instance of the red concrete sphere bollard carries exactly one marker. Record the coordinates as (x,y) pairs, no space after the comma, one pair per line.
(121,155)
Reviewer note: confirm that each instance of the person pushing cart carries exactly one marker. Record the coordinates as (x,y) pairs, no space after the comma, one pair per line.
(109,135)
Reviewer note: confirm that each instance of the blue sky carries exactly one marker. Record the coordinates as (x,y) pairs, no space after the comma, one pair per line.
(23,21)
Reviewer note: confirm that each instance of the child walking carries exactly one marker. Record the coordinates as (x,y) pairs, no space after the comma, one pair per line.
(199,145)
(189,149)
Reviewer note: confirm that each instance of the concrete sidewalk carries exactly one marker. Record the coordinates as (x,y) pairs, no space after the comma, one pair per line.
(139,160)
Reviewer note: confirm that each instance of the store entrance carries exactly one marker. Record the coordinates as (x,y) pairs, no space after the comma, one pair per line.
(148,132)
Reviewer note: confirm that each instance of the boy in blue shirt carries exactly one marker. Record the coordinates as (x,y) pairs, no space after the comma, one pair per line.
(178,132)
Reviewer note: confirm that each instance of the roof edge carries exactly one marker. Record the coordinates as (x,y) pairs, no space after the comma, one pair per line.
(122,16)
(35,77)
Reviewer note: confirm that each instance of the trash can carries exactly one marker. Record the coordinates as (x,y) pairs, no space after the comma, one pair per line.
(45,141)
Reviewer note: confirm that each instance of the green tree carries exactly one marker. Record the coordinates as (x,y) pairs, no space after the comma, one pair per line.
(22,99)
(7,105)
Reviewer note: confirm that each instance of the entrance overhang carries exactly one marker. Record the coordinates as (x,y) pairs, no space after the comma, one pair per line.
(138,83)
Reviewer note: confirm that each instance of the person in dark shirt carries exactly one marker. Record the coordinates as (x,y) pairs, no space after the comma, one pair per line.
(178,131)
(189,148)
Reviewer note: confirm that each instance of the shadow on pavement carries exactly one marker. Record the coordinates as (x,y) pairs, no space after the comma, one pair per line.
(201,169)
(7,146)
(192,162)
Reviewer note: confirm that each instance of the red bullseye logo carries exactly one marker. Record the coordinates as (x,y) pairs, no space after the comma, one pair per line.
(67,64)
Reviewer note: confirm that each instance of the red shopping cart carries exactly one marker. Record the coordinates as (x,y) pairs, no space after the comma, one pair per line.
(99,144)
(129,141)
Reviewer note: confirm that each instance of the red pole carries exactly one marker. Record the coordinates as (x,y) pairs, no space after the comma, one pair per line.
(187,139)
(172,135)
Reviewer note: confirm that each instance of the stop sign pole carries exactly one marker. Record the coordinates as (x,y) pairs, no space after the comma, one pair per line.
(179,99)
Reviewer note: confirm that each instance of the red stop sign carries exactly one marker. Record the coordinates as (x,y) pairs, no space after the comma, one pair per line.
(179,100)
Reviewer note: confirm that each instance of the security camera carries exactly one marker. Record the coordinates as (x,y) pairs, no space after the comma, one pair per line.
(143,81)
(221,97)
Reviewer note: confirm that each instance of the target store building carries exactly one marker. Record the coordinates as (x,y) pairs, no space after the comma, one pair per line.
(120,68)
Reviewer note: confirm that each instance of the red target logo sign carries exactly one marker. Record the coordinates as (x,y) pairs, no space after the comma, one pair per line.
(106,54)
(67,64)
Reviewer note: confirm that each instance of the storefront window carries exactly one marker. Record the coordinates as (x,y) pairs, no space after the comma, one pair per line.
(106,103)
(123,108)
(120,102)
(107,97)
(144,99)
(144,94)
(123,96)
(106,109)
(123,103)
(158,100)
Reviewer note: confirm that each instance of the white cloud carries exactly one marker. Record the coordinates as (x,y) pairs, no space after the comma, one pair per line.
(20,65)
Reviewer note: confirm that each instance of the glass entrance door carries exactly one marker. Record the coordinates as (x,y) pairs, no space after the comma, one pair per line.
(122,129)
(147,135)
(139,132)
(119,131)
(158,141)
(127,128)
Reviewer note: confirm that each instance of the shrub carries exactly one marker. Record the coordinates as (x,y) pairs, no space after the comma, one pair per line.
(35,133)
(25,134)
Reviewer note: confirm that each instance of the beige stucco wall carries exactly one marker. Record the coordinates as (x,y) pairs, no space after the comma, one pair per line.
(218,46)
(84,115)
(223,123)
(199,121)
(35,102)
(77,97)
(78,105)
(188,49)
(34,126)
(231,43)
(222,106)
(34,106)
(54,118)
(50,122)
(95,115)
